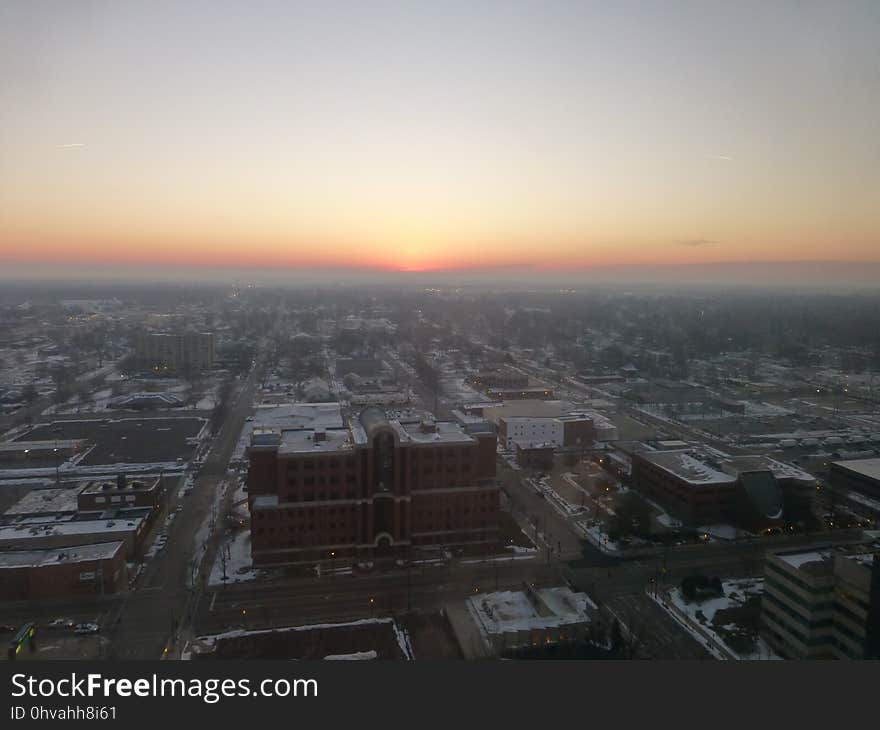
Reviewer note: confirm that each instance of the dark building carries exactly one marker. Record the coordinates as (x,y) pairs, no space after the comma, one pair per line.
(82,570)
(502,377)
(534,456)
(857,475)
(532,392)
(377,486)
(751,491)
(122,492)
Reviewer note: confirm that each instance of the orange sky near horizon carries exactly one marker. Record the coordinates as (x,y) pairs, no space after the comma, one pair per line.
(417,137)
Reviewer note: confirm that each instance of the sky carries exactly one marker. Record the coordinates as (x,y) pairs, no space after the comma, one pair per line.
(422,136)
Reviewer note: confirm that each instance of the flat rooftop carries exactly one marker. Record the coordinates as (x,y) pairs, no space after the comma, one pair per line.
(317,428)
(126,440)
(15,447)
(504,611)
(869,468)
(131,485)
(781,470)
(45,500)
(10,559)
(686,467)
(300,441)
(33,529)
(299,416)
(816,562)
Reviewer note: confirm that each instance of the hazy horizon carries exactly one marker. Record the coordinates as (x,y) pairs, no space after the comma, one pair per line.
(804,275)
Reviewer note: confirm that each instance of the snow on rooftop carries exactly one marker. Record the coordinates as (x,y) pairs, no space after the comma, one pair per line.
(505,611)
(686,467)
(798,560)
(56,556)
(354,656)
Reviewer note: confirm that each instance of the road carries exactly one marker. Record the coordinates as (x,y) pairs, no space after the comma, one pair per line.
(331,598)
(143,623)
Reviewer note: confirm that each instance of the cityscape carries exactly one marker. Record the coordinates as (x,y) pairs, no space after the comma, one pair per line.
(263,472)
(439,331)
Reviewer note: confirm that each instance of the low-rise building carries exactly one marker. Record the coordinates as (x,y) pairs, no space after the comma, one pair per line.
(122,492)
(531,617)
(755,491)
(531,455)
(531,392)
(91,569)
(66,531)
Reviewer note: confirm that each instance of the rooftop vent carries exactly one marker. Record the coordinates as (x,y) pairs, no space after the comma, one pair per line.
(428,426)
(320,435)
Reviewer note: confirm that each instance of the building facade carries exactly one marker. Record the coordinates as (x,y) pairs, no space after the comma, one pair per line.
(176,351)
(857,475)
(84,570)
(823,603)
(375,487)
(752,491)
(122,492)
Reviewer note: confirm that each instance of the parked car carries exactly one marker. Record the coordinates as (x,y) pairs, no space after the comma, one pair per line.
(86,629)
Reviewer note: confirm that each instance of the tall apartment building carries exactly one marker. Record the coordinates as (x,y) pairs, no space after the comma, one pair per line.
(823,603)
(176,351)
(376,486)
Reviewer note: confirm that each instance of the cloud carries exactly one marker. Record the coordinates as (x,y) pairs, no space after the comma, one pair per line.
(726,158)
(72,144)
(693,242)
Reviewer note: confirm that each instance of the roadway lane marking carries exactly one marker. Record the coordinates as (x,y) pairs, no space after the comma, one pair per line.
(213,598)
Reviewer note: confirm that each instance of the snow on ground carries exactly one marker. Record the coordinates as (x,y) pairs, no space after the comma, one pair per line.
(599,538)
(401,634)
(356,656)
(520,550)
(200,541)
(698,617)
(238,561)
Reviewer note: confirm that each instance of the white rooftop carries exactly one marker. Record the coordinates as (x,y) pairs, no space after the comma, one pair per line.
(515,610)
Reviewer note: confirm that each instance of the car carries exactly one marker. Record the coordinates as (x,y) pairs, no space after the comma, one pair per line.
(249,419)
(87,628)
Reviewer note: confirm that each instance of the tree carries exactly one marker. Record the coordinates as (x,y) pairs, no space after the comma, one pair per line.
(632,516)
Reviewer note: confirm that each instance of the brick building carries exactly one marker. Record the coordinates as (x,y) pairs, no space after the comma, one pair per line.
(96,569)
(376,486)
(751,491)
(122,492)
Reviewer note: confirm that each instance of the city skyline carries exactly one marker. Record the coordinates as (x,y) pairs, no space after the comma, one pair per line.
(418,138)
